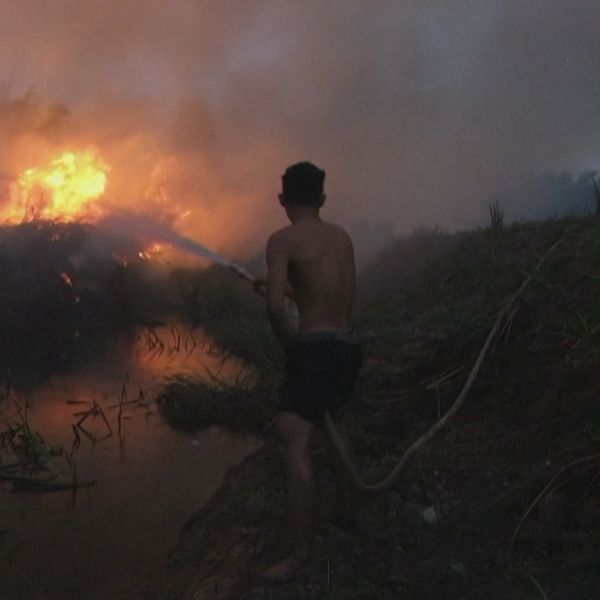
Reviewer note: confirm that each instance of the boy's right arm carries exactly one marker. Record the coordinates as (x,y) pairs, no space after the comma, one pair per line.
(277,268)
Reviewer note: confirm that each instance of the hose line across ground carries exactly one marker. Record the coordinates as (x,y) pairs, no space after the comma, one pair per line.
(338,442)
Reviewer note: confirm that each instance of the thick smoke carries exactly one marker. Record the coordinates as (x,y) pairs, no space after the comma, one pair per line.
(417,110)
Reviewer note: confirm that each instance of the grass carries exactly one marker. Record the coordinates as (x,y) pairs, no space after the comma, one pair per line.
(462,279)
(232,315)
(189,402)
(540,590)
(496,216)
(596,194)
(18,438)
(427,303)
(32,467)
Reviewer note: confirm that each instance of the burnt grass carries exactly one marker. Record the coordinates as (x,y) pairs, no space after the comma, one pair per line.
(71,293)
(513,478)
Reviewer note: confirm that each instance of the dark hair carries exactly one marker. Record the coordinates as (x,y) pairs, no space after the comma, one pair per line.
(303,184)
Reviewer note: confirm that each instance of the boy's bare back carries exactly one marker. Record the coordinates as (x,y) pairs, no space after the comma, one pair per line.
(317,259)
(314,261)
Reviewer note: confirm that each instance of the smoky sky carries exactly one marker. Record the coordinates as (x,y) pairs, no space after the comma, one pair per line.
(417,110)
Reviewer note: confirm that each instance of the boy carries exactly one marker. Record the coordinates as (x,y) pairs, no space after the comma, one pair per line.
(316,260)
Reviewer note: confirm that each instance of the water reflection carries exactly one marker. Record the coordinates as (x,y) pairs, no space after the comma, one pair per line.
(101,541)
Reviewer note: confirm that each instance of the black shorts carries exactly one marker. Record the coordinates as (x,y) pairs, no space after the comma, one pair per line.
(321,372)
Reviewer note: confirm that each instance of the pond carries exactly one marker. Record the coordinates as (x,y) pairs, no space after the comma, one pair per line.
(101,541)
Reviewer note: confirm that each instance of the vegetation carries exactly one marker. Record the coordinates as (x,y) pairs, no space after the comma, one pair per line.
(514,475)
(189,402)
(232,315)
(66,296)
(26,459)
(27,446)
(596,193)
(496,216)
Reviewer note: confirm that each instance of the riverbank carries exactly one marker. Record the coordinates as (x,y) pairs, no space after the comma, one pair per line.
(504,502)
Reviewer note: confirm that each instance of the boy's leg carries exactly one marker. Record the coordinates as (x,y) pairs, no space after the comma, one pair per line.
(343,485)
(296,434)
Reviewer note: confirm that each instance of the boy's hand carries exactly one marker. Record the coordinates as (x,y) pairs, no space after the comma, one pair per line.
(260,287)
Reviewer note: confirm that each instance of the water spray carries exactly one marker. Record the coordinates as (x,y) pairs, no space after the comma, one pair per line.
(139,226)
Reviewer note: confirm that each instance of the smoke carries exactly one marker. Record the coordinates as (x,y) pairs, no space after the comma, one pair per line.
(548,195)
(417,110)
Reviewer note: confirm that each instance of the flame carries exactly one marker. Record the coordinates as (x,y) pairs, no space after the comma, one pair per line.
(65,189)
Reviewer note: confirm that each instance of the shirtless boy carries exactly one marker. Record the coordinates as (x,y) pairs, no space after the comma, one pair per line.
(316,260)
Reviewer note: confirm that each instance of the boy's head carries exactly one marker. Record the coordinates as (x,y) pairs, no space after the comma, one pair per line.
(302,185)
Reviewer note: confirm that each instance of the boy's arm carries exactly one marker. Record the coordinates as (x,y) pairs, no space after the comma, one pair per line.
(260,287)
(277,268)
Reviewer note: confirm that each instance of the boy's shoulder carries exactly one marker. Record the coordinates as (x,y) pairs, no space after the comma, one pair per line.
(296,233)
(281,234)
(279,241)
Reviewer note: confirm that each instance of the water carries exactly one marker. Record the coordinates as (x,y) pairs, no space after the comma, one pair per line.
(144,231)
(101,542)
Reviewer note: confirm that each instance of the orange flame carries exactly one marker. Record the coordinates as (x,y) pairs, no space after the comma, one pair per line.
(65,189)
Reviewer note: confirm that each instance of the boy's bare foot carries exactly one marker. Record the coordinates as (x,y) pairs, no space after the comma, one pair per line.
(286,569)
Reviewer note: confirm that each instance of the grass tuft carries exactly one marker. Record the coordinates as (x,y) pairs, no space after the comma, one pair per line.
(596,194)
(496,216)
(190,402)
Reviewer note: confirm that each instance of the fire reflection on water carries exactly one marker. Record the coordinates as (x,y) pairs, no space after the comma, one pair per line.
(150,479)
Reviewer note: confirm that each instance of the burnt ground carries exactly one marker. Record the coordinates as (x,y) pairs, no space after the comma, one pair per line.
(503,503)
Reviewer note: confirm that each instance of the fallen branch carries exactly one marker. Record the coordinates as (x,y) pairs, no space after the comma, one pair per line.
(12,466)
(94,411)
(445,377)
(40,487)
(18,478)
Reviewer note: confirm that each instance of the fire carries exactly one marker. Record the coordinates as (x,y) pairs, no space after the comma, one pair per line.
(150,252)
(65,189)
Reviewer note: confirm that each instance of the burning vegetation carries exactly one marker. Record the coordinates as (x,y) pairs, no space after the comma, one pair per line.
(77,277)
(63,300)
(65,189)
